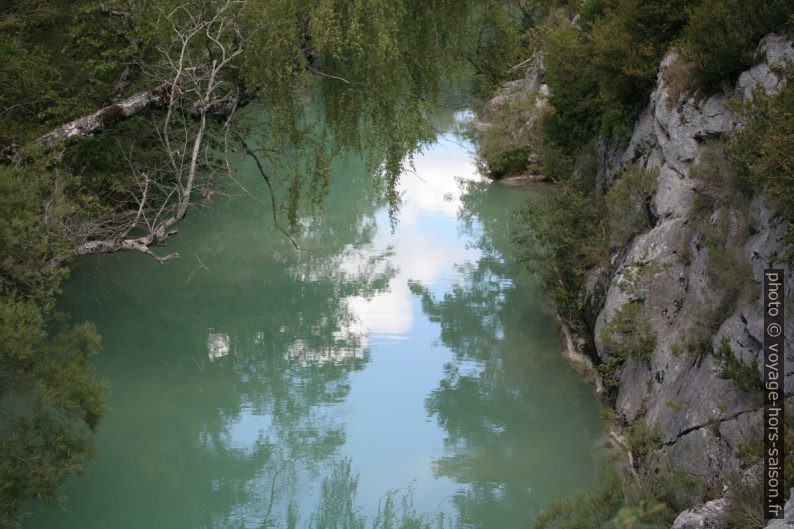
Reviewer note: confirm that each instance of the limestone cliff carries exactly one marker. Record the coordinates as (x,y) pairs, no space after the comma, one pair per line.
(669,138)
(703,418)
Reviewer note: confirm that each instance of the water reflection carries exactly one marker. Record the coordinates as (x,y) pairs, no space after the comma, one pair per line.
(275,388)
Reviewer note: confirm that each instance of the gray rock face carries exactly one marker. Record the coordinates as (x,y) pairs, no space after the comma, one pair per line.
(702,417)
(707,516)
(529,84)
(710,516)
(777,50)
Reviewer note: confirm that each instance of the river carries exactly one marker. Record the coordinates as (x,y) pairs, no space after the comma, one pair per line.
(255,385)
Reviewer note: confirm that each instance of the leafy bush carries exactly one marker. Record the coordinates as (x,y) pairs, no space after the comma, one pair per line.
(729,273)
(629,334)
(593,507)
(643,439)
(679,79)
(745,376)
(744,508)
(505,146)
(560,237)
(497,44)
(694,341)
(651,499)
(602,69)
(763,152)
(706,318)
(628,42)
(574,118)
(626,335)
(720,183)
(556,164)
(629,204)
(722,36)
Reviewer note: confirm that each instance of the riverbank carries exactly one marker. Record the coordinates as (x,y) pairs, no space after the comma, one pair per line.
(705,417)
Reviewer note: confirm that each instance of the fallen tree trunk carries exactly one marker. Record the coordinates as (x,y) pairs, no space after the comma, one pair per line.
(107,116)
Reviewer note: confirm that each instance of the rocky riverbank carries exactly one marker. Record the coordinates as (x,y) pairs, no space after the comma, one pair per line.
(705,419)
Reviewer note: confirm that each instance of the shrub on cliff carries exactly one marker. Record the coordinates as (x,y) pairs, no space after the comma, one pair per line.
(722,36)
(504,147)
(649,499)
(629,203)
(560,237)
(628,334)
(763,151)
(733,368)
(602,67)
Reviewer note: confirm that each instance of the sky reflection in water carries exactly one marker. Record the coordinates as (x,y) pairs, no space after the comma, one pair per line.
(422,357)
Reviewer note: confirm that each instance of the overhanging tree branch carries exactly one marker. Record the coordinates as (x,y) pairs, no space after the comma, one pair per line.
(107,116)
(250,152)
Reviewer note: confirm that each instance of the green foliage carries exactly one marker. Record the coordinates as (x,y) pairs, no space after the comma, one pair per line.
(721,36)
(643,439)
(628,334)
(50,401)
(628,42)
(720,183)
(505,145)
(705,319)
(745,376)
(751,452)
(497,45)
(744,507)
(560,237)
(637,516)
(629,204)
(677,405)
(729,274)
(694,341)
(763,151)
(649,499)
(601,70)
(556,164)
(594,507)
(636,276)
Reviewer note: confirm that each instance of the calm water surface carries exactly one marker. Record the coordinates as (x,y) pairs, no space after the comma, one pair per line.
(258,386)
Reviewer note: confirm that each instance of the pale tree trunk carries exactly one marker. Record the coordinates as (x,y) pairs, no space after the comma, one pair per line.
(189,85)
(108,116)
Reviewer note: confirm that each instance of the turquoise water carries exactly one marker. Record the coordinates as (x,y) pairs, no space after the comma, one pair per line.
(246,374)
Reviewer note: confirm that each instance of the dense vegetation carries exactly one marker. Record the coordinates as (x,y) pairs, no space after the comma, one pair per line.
(231,78)
(761,152)
(167,92)
(600,60)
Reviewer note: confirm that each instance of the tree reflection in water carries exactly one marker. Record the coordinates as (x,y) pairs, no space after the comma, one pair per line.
(514,435)
(232,412)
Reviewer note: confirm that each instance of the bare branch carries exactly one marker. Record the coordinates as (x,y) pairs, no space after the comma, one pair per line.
(266,178)
(315,71)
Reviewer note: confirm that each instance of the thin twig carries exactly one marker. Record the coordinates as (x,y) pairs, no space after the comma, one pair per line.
(266,178)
